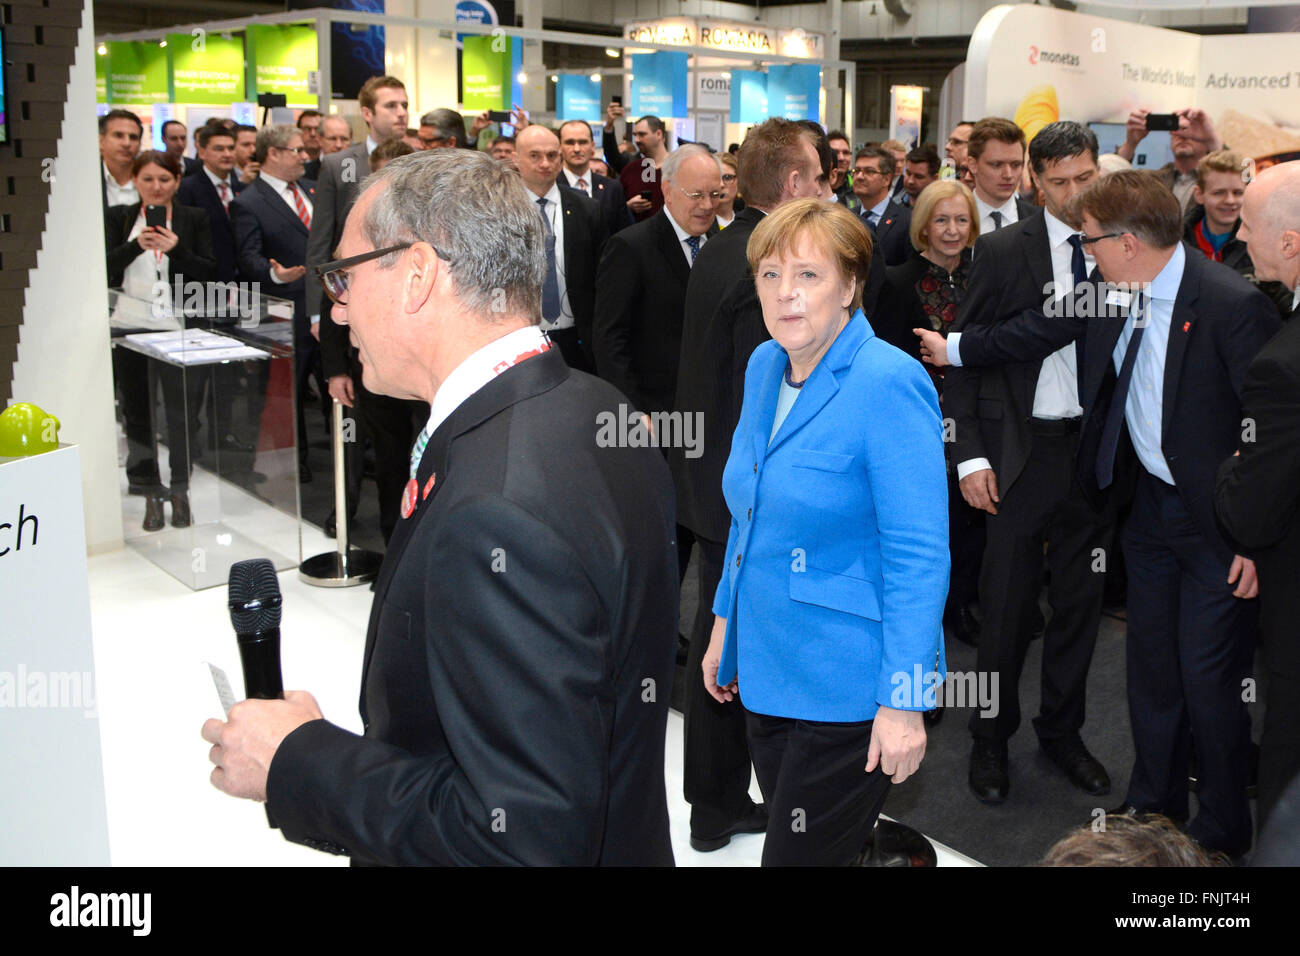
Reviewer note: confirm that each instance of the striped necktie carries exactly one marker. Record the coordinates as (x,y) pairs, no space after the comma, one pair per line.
(225,195)
(300,205)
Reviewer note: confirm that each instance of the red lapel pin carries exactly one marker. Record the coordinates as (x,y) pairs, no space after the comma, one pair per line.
(408,498)
(1186,326)
(428,485)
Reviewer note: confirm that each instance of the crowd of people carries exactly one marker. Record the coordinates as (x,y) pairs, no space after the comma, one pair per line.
(1072,439)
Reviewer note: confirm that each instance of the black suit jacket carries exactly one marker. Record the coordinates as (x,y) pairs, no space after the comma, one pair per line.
(640,293)
(340,177)
(892,242)
(1220,322)
(311,168)
(191,259)
(197,191)
(192,166)
(1258,493)
(608,193)
(584,241)
(266,228)
(901,310)
(518,660)
(991,407)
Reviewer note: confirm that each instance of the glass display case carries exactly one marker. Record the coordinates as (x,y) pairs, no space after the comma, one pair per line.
(207,439)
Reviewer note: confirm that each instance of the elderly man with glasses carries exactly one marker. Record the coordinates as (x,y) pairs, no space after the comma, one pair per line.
(517,667)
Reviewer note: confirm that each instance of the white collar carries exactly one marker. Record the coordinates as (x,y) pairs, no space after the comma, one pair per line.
(682,234)
(480,367)
(1295,298)
(1007,209)
(1058,232)
(370,145)
(723,225)
(214,178)
(552,195)
(274,182)
(109,176)
(573,177)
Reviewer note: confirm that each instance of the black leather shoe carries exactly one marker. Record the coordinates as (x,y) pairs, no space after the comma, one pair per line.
(988,771)
(1083,769)
(932,717)
(753,822)
(893,844)
(154,518)
(1128,810)
(180,510)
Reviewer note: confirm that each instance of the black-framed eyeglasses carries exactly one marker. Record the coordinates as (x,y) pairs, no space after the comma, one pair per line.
(1089,240)
(334,275)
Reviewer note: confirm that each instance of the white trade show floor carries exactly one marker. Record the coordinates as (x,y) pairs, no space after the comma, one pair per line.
(152,637)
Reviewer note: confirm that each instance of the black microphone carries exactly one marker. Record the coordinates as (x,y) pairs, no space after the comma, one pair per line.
(253,596)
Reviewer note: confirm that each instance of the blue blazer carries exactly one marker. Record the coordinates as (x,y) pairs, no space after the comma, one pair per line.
(837,560)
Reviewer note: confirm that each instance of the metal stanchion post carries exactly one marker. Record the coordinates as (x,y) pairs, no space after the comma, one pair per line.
(345,566)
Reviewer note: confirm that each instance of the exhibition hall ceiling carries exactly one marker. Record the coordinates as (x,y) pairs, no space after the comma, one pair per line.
(120,16)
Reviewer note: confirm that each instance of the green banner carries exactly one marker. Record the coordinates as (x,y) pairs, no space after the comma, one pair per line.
(207,68)
(489,65)
(281,57)
(101,76)
(137,73)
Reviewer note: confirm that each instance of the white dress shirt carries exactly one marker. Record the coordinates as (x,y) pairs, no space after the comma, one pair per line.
(682,236)
(282,190)
(572,179)
(217,183)
(1009,211)
(119,195)
(554,213)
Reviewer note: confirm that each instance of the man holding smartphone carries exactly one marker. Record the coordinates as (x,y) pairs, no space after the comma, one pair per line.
(1192,140)
(638,175)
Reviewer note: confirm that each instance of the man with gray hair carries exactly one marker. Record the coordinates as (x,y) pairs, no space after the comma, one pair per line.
(517,666)
(442,129)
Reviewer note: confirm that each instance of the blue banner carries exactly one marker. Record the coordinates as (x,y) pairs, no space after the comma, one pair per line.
(659,84)
(748,96)
(578,98)
(794,91)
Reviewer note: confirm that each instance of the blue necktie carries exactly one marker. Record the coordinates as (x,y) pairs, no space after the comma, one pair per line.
(694,243)
(551,287)
(1077,263)
(1115,414)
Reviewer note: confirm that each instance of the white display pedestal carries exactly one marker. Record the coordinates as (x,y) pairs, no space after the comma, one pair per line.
(52,810)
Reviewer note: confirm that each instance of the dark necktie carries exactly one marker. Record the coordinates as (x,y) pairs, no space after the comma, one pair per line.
(997,220)
(1115,414)
(551,287)
(1077,263)
(694,243)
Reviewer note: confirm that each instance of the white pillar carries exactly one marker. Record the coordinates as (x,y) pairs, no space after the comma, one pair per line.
(834,115)
(535,89)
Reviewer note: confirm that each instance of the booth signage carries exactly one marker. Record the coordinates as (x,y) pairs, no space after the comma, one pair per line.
(137,73)
(728,36)
(474,11)
(748,96)
(712,91)
(489,71)
(578,98)
(905,114)
(794,91)
(283,58)
(659,84)
(674,31)
(206,69)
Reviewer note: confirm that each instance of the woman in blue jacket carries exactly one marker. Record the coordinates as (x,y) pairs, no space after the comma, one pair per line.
(830,604)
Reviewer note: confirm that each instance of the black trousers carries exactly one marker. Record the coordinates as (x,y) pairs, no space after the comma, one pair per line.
(821,804)
(1044,505)
(715,745)
(1279,746)
(1190,647)
(965,548)
(182,394)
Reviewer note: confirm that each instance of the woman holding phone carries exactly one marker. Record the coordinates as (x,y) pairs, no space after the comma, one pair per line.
(154,245)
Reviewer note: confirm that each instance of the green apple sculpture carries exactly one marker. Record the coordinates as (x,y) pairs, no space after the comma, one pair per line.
(27,429)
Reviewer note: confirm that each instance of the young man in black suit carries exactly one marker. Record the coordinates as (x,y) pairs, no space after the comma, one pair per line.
(271,219)
(995,153)
(575,239)
(873,171)
(516,673)
(1162,379)
(722,325)
(1016,437)
(387,421)
(577,147)
(213,189)
(1258,491)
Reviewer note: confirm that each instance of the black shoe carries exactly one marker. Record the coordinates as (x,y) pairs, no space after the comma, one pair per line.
(143,487)
(231,443)
(988,771)
(1083,769)
(932,717)
(893,844)
(1128,810)
(154,518)
(962,625)
(180,509)
(304,473)
(755,821)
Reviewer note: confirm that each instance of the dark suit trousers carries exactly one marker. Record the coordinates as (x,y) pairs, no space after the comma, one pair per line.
(306,365)
(131,375)
(1279,747)
(821,806)
(965,547)
(1190,646)
(716,749)
(1045,503)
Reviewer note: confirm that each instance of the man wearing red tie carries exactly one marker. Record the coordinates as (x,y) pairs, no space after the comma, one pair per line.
(271,219)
